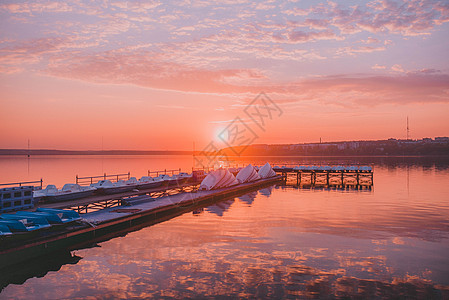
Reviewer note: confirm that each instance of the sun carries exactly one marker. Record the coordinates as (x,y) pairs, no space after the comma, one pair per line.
(221,134)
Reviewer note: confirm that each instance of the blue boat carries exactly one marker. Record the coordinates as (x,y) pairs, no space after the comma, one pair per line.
(65,215)
(31,223)
(4,230)
(18,226)
(51,218)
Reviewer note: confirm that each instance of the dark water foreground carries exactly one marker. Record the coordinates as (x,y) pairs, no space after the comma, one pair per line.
(280,242)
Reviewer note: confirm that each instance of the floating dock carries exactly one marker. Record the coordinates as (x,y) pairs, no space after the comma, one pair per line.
(107,223)
(107,216)
(357,177)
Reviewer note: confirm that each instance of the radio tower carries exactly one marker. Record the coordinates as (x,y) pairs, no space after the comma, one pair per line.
(408,130)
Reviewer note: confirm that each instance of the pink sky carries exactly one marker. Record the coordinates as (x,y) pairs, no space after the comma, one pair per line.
(156,76)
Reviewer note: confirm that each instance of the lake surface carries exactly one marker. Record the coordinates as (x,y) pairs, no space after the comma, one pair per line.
(279,242)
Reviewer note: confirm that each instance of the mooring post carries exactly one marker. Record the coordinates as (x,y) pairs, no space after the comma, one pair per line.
(327,178)
(297,178)
(75,181)
(342,179)
(42,183)
(129,175)
(104,176)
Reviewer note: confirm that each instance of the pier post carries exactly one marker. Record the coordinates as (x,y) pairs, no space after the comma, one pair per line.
(327,178)
(342,179)
(76,178)
(103,176)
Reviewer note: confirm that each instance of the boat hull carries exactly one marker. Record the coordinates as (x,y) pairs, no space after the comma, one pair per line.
(115,189)
(149,185)
(67,197)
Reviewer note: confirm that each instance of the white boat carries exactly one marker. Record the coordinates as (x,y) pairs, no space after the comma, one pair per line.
(69,191)
(148,182)
(266,171)
(227,180)
(108,187)
(183,177)
(170,180)
(247,174)
(218,179)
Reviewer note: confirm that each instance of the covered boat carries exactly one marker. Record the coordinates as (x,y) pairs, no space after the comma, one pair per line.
(247,174)
(218,179)
(266,171)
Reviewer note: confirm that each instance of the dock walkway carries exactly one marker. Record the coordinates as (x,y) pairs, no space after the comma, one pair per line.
(107,223)
(341,176)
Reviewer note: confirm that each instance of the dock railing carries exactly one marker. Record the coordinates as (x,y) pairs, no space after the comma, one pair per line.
(112,177)
(23,183)
(165,171)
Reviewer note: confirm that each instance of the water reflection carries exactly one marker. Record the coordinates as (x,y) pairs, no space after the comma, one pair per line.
(36,268)
(249,198)
(266,191)
(220,207)
(282,242)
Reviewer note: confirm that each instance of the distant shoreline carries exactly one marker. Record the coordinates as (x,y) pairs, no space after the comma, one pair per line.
(90,152)
(38,152)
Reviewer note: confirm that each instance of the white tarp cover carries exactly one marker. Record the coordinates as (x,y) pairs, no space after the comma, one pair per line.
(247,174)
(218,179)
(266,171)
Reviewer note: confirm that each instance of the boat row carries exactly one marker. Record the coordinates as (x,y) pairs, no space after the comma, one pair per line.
(222,178)
(27,221)
(72,191)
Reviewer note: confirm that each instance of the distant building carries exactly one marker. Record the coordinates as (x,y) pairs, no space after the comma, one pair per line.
(442,139)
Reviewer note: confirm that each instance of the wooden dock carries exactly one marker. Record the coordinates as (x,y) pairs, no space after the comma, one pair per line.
(97,202)
(329,176)
(106,223)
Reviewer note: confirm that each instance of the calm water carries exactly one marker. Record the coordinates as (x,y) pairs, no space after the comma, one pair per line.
(279,242)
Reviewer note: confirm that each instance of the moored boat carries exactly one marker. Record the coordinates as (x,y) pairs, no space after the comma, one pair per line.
(69,191)
(148,182)
(108,187)
(266,171)
(30,223)
(247,174)
(218,179)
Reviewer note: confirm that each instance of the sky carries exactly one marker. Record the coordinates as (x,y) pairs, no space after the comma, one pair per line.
(168,75)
